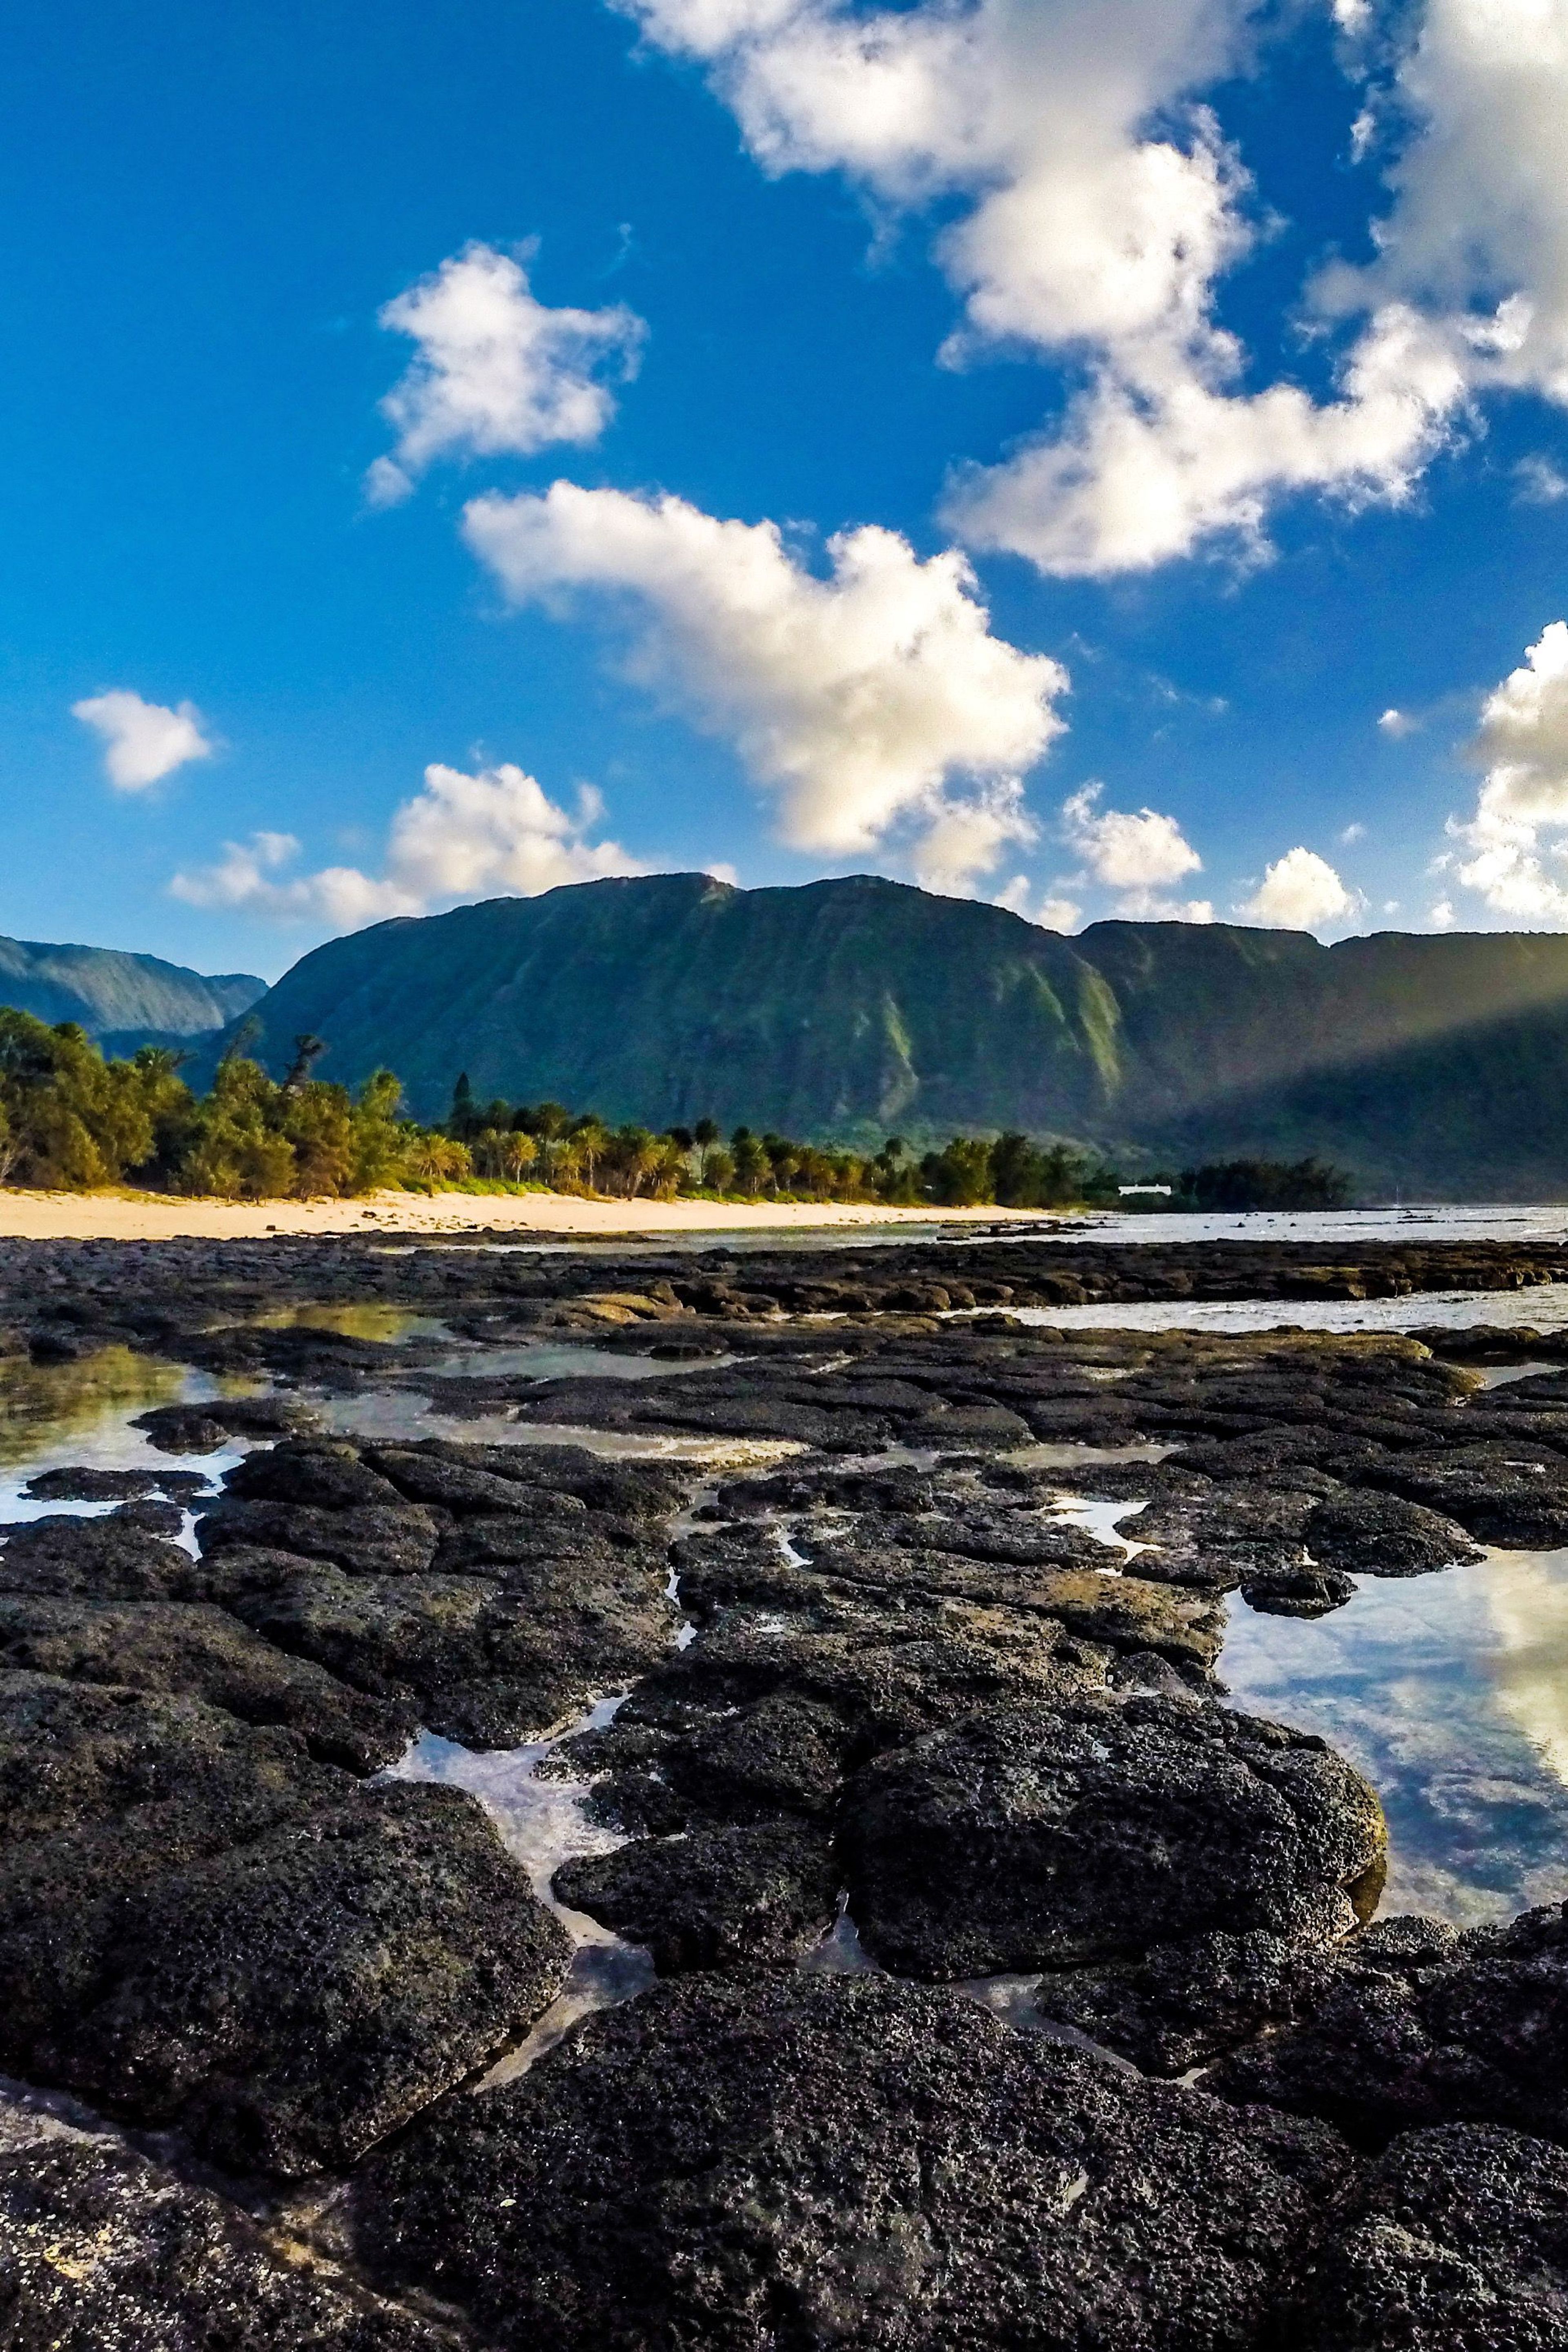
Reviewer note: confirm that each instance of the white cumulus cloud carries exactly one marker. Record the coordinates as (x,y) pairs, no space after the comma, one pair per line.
(873,699)
(142,740)
(1139,854)
(1539,482)
(1093,207)
(496,371)
(496,834)
(1513,848)
(1301,892)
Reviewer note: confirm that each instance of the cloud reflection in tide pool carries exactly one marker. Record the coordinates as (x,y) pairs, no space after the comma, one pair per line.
(1450,1693)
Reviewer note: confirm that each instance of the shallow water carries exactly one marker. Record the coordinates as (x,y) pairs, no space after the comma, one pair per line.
(1543,1308)
(1450,1693)
(53,1416)
(388,1414)
(544,1361)
(1479,1221)
(389,1325)
(543,1824)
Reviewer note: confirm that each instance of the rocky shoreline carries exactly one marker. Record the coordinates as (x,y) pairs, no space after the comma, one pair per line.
(1013,1989)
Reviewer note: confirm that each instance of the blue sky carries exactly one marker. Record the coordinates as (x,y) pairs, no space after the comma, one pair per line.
(1223,511)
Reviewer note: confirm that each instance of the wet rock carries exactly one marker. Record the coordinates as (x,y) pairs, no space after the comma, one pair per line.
(101,2251)
(368,1539)
(717,1898)
(291,2002)
(1422,2025)
(886,1673)
(1182,2004)
(1497,1494)
(463,1487)
(198,1650)
(153,1516)
(103,1558)
(84,1484)
(1120,1610)
(1044,1835)
(486,1663)
(204,1428)
(790,2161)
(1370,1534)
(785,1753)
(200,1926)
(623,1490)
(1220,1534)
(310,1470)
(1298,1592)
(1456,2241)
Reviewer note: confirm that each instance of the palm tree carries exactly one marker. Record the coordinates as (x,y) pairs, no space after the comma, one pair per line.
(705,1135)
(590,1140)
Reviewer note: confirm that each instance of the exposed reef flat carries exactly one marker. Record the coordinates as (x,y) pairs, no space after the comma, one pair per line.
(911,1613)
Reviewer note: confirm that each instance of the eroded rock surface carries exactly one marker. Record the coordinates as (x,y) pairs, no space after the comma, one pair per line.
(792,2161)
(916,1668)
(1040,1835)
(102,2250)
(201,1924)
(1422,2024)
(1456,2241)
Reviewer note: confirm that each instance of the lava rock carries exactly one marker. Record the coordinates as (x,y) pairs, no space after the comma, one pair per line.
(718,1899)
(291,2003)
(80,1483)
(1457,2241)
(1182,2004)
(784,2162)
(101,2251)
(1370,1534)
(1298,1592)
(1422,2025)
(310,1470)
(195,1650)
(367,1539)
(1044,1835)
(100,1559)
(484,1663)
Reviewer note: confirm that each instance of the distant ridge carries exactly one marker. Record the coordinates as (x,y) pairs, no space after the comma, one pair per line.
(860,1007)
(119,998)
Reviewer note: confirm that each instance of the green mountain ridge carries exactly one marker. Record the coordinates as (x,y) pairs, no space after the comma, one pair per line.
(120,999)
(852,1008)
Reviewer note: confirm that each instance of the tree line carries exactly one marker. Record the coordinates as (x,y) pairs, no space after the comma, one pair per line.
(70,1119)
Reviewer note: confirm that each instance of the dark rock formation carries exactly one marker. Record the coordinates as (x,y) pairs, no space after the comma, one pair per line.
(1421,2024)
(101,2251)
(1037,1835)
(1456,2241)
(786,2162)
(717,1897)
(201,1925)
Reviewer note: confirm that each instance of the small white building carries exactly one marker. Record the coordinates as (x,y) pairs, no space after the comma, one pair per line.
(1164,1190)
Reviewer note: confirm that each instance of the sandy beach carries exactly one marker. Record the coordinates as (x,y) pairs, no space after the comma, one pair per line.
(146,1216)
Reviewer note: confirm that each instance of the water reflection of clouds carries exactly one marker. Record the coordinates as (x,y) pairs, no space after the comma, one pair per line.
(1449,1693)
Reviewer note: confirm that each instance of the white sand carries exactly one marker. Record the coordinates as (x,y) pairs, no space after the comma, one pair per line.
(145,1216)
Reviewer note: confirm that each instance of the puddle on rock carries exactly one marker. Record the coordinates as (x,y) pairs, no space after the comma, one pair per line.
(78,1416)
(1068,1454)
(547,1360)
(385,1414)
(1100,1519)
(388,1325)
(1450,1693)
(542,1823)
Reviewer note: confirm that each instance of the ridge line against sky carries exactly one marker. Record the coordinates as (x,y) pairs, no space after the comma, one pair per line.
(1220,352)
